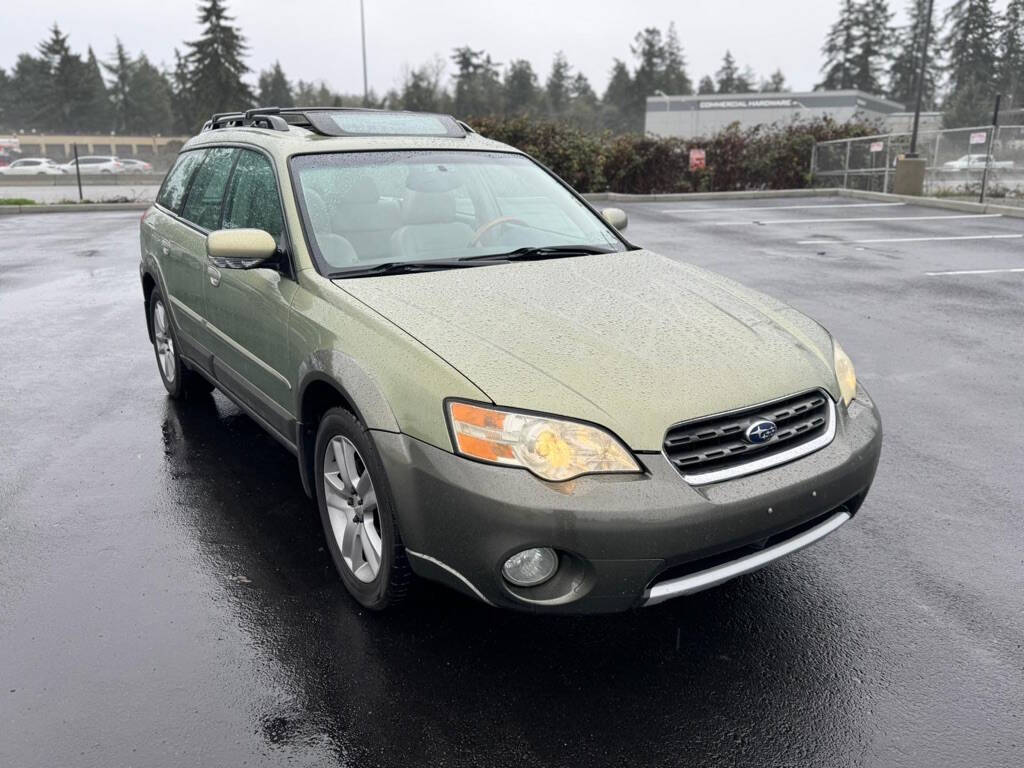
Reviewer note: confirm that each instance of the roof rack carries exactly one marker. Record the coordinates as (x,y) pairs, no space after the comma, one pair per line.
(281,118)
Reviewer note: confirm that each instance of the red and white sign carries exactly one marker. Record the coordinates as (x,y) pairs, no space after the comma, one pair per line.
(979,138)
(878,146)
(698,160)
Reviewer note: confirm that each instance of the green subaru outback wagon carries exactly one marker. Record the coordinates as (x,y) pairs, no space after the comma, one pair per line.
(484,383)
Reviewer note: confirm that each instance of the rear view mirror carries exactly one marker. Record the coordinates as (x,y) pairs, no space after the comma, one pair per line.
(240,248)
(616,217)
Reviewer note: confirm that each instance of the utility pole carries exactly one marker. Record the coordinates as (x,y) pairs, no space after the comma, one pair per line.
(362,26)
(991,141)
(920,79)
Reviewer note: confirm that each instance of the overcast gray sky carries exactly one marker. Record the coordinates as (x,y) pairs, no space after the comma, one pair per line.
(319,39)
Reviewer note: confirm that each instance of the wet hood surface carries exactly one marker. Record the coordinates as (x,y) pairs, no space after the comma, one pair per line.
(633,341)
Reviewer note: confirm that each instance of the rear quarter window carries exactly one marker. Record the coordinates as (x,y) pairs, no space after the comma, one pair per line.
(172,193)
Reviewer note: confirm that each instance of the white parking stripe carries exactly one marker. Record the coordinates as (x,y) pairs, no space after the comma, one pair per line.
(907,239)
(975,271)
(783,207)
(859,218)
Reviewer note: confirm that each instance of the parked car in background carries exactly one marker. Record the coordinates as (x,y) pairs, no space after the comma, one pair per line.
(32,166)
(136,166)
(976,163)
(96,164)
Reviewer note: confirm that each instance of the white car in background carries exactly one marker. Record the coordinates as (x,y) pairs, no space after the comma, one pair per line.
(96,164)
(136,166)
(976,163)
(32,166)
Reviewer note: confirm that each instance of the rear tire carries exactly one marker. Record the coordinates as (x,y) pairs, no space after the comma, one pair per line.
(180,382)
(358,513)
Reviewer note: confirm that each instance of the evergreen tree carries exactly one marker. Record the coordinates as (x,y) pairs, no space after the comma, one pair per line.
(747,81)
(5,101)
(522,90)
(617,102)
(150,100)
(65,71)
(649,50)
(94,107)
(839,49)
(28,100)
(583,102)
(274,88)
(674,79)
(972,52)
(874,44)
(774,84)
(182,102)
(907,61)
(1010,72)
(556,89)
(120,70)
(728,77)
(478,89)
(707,85)
(422,89)
(215,65)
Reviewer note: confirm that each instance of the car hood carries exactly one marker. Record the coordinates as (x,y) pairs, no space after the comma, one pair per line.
(632,341)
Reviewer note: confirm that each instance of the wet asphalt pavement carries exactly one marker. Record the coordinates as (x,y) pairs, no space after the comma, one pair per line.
(166,600)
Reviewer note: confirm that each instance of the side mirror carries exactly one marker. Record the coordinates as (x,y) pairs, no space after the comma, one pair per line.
(616,217)
(240,248)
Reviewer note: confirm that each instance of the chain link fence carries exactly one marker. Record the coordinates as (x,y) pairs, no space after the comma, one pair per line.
(958,160)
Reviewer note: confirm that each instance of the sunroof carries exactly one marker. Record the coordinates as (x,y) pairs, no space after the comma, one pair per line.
(371,123)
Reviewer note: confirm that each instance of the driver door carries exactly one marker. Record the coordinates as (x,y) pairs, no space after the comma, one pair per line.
(247,309)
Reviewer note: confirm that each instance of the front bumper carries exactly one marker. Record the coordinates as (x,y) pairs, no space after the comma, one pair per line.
(623,540)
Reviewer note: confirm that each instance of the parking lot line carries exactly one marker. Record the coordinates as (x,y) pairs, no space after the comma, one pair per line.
(908,239)
(858,218)
(783,207)
(975,271)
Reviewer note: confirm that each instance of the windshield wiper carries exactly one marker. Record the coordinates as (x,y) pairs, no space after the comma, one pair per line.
(537,253)
(400,268)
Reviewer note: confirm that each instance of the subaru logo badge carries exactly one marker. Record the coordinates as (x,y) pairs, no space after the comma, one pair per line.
(761,431)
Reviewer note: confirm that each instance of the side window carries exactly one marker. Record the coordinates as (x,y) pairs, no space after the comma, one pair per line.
(206,195)
(173,190)
(253,200)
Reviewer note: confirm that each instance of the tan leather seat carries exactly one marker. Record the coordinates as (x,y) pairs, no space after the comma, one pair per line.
(365,220)
(431,228)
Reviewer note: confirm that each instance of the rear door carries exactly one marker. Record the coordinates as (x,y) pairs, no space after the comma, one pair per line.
(248,309)
(172,243)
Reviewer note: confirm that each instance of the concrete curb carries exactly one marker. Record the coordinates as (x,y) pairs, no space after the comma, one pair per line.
(624,197)
(927,202)
(13,210)
(935,202)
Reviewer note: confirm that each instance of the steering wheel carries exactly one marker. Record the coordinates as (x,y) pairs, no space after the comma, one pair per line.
(479,234)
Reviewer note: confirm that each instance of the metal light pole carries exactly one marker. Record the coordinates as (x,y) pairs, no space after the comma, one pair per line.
(920,80)
(991,141)
(362,26)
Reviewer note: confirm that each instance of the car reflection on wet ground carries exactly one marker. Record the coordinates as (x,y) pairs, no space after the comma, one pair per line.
(165,597)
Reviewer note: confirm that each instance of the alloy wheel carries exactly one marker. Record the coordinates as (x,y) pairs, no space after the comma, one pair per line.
(163,342)
(352,508)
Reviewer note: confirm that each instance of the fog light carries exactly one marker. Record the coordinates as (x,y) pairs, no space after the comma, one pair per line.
(531,567)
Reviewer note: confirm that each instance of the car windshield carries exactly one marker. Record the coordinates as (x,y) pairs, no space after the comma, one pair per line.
(374,208)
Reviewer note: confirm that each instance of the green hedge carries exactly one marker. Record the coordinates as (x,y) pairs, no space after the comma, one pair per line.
(764,157)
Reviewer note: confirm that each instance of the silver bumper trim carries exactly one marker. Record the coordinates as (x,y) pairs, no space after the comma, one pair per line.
(696,582)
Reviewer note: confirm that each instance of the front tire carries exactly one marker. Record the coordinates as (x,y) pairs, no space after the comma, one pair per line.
(357,513)
(180,382)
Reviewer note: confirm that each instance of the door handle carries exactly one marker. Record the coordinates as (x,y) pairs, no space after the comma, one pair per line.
(214,274)
(165,250)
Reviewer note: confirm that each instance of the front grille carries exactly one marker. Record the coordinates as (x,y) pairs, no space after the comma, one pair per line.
(718,444)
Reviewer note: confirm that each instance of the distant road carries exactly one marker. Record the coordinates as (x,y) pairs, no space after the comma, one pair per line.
(141,190)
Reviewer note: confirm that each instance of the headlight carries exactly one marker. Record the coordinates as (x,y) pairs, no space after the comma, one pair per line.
(844,373)
(551,448)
